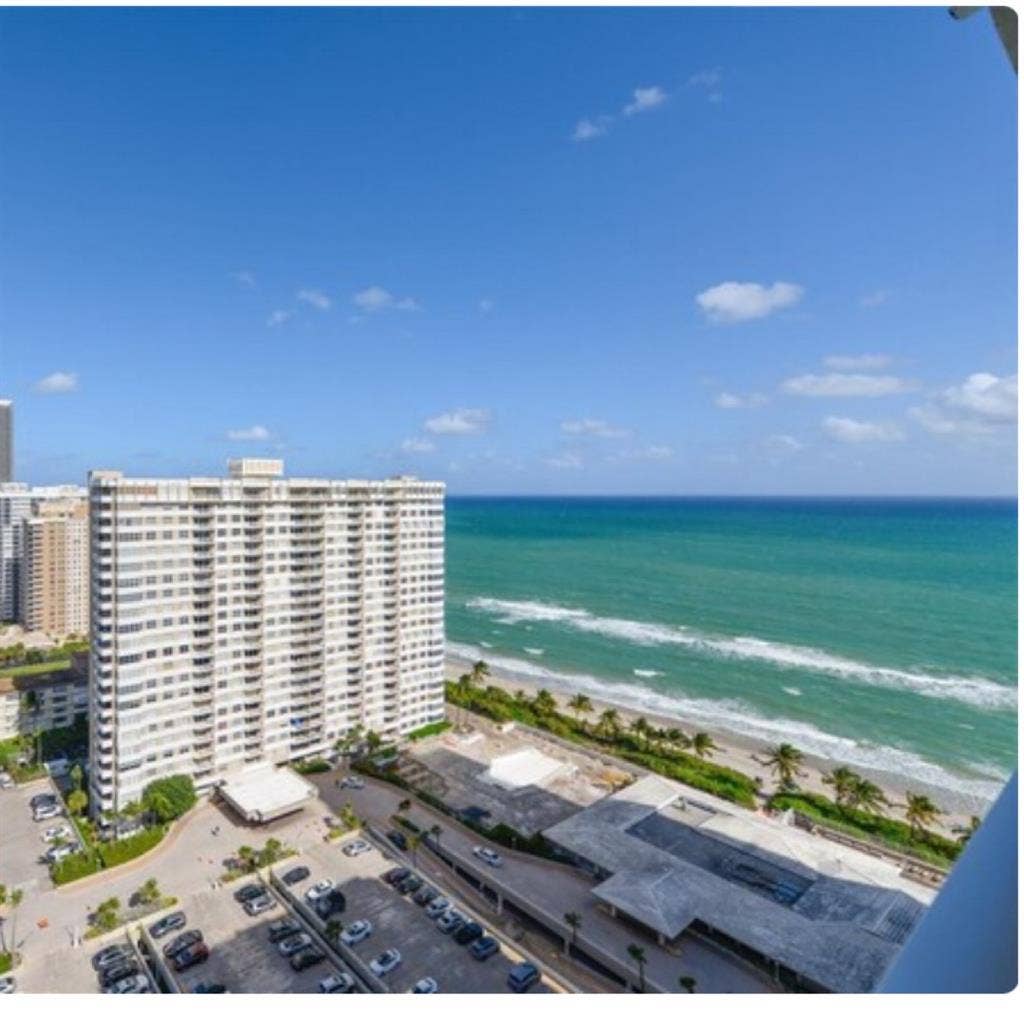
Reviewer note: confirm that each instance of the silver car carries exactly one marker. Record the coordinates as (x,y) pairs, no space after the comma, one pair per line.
(294,943)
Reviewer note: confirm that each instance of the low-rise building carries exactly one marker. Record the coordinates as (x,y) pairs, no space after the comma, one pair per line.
(48,700)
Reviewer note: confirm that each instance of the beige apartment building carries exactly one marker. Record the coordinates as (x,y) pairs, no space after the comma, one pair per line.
(254,620)
(54,578)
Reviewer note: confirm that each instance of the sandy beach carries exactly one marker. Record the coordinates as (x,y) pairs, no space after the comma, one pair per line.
(743,753)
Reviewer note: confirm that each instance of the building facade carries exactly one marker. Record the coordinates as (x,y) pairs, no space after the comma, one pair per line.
(256,619)
(37,703)
(54,574)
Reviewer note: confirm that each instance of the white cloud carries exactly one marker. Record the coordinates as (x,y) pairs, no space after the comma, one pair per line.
(593,428)
(867,361)
(485,305)
(590,128)
(841,428)
(730,400)
(974,408)
(875,298)
(733,301)
(278,317)
(782,444)
(645,99)
(845,385)
(244,277)
(58,383)
(567,460)
(375,298)
(254,433)
(706,79)
(458,421)
(417,445)
(315,298)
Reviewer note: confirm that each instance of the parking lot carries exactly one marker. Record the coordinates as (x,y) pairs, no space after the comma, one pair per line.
(21,865)
(398,922)
(241,956)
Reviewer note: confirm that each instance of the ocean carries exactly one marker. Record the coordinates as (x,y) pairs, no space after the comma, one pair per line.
(879,633)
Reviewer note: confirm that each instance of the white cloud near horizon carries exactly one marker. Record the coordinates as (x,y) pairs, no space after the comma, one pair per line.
(59,383)
(731,400)
(458,421)
(315,298)
(253,433)
(867,361)
(417,445)
(850,431)
(645,99)
(593,428)
(782,444)
(979,406)
(376,298)
(845,385)
(278,317)
(735,301)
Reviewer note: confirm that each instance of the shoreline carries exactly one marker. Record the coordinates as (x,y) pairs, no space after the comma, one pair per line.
(742,752)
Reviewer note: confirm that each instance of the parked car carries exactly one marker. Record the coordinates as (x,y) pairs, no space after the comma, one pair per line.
(209,988)
(283,929)
(56,832)
(295,875)
(355,932)
(410,884)
(356,847)
(119,971)
(342,982)
(523,976)
(41,799)
(424,986)
(6,782)
(170,923)
(294,943)
(484,948)
(488,856)
(398,840)
(307,958)
(449,921)
(438,906)
(426,895)
(109,955)
(134,984)
(330,903)
(396,875)
(322,888)
(468,933)
(351,782)
(385,962)
(57,853)
(190,956)
(8,985)
(249,892)
(47,811)
(183,941)
(259,905)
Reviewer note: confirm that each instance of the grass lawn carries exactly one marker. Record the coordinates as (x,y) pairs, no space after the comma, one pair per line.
(36,670)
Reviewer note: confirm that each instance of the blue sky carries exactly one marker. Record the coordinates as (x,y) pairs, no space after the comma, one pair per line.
(533,251)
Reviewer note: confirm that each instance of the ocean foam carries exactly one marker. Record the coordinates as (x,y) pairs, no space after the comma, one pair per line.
(646,673)
(792,690)
(538,651)
(741,719)
(966,689)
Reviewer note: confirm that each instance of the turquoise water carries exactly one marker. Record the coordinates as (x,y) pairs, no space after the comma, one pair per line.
(879,632)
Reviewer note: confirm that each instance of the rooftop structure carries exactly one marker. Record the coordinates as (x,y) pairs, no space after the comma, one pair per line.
(816,914)
(264,793)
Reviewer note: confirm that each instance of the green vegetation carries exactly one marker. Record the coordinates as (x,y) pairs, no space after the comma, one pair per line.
(37,669)
(6,962)
(429,730)
(42,746)
(869,826)
(249,859)
(657,750)
(169,798)
(99,856)
(312,767)
(49,659)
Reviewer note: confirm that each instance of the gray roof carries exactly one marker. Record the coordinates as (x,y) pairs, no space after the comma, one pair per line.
(848,911)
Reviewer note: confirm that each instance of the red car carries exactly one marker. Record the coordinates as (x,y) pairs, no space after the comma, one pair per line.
(190,956)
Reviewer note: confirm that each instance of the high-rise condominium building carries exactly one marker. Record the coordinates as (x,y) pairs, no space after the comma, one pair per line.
(54,577)
(256,619)
(19,502)
(6,440)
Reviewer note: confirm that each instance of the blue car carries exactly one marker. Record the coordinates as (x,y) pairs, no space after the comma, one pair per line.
(484,948)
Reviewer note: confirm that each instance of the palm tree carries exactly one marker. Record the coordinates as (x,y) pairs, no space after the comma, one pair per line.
(843,781)
(963,832)
(333,930)
(641,728)
(77,801)
(479,672)
(575,922)
(149,891)
(373,741)
(678,738)
(785,761)
(581,705)
(703,745)
(520,697)
(544,703)
(920,812)
(867,796)
(639,956)
(608,723)
(688,984)
(247,855)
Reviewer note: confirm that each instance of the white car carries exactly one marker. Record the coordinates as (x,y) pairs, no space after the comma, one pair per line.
(46,812)
(386,962)
(55,832)
(488,856)
(424,986)
(437,907)
(342,982)
(356,932)
(294,944)
(6,782)
(260,905)
(58,853)
(356,847)
(353,782)
(132,985)
(322,888)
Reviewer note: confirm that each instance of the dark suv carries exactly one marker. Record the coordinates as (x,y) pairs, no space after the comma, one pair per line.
(468,933)
(170,923)
(183,941)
